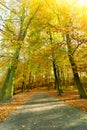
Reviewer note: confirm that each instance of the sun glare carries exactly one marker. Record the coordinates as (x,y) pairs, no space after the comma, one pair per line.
(82,2)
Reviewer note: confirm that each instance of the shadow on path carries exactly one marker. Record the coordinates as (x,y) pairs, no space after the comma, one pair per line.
(43,112)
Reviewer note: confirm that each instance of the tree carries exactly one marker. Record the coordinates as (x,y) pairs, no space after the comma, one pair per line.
(51,43)
(81,90)
(65,21)
(7,88)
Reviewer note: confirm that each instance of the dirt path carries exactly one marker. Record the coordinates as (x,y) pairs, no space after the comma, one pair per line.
(43,112)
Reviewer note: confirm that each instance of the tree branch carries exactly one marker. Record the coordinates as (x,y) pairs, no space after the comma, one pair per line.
(22,36)
(75,49)
(8,8)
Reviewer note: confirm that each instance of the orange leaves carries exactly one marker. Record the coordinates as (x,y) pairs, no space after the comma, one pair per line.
(72,98)
(7,108)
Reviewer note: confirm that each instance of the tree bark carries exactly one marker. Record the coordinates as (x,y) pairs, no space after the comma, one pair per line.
(5,85)
(57,85)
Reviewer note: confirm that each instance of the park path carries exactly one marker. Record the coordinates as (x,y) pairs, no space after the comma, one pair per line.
(44,112)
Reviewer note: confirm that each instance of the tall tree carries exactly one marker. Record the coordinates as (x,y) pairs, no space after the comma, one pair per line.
(79,85)
(7,88)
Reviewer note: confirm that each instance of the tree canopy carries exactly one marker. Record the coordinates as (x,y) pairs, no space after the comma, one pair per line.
(43,42)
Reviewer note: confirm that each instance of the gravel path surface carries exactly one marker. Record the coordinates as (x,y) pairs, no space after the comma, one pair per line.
(43,112)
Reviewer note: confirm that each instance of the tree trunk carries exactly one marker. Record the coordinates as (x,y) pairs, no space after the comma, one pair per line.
(5,85)
(62,78)
(57,85)
(77,80)
(59,80)
(23,86)
(8,88)
(29,83)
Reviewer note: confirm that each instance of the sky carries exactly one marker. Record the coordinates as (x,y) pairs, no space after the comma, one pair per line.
(82,2)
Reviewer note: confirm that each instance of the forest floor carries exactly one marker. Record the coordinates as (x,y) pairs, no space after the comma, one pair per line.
(70,97)
(42,111)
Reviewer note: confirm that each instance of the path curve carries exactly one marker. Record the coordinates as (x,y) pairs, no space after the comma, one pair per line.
(44,112)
